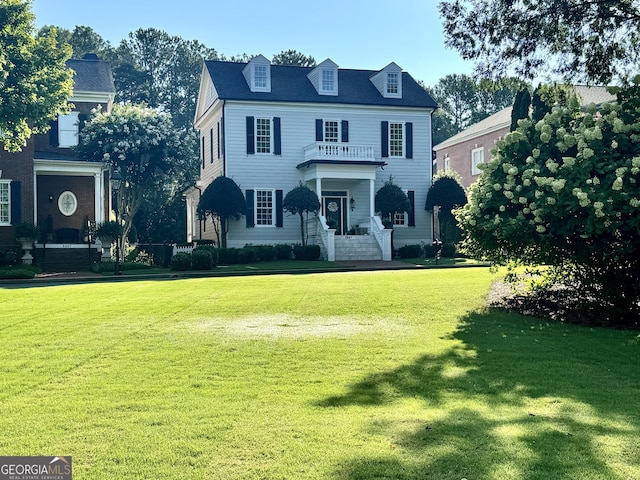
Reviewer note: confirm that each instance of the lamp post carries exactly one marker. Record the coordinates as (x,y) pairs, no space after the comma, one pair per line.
(438,249)
(116,182)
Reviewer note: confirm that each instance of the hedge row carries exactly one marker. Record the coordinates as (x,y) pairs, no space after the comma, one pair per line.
(206,257)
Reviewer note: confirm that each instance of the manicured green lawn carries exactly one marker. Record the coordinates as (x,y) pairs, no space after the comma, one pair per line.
(365,375)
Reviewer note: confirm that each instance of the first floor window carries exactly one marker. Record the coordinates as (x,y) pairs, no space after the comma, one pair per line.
(400,219)
(263,135)
(5,202)
(264,207)
(396,140)
(477,157)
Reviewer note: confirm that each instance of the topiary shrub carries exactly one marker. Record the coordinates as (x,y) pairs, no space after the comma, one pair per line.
(410,251)
(247,255)
(213,251)
(181,262)
(227,256)
(283,251)
(201,259)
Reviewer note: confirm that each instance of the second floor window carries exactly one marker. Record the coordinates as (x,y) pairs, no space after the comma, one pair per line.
(477,157)
(263,135)
(396,139)
(331,132)
(68,130)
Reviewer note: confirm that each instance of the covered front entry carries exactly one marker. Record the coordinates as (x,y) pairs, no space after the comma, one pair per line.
(334,209)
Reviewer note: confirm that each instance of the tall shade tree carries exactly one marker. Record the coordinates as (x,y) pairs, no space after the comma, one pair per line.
(464,101)
(564,192)
(592,40)
(223,201)
(34,81)
(299,201)
(293,57)
(82,39)
(141,143)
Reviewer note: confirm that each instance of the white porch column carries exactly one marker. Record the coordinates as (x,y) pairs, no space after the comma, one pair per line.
(372,198)
(319,188)
(98,197)
(35,198)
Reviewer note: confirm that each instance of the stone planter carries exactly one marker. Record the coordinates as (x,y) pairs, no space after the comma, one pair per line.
(106,248)
(27,245)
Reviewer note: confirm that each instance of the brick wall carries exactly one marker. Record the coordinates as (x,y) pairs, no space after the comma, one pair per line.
(460,154)
(52,185)
(19,167)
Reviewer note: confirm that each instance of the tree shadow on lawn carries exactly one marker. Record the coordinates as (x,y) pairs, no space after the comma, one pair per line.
(518,398)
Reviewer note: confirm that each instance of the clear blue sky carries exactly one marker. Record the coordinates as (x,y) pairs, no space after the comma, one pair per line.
(365,34)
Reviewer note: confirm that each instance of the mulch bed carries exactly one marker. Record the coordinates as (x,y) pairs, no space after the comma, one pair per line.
(558,305)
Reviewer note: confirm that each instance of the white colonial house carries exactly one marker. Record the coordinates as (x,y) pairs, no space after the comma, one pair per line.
(341,132)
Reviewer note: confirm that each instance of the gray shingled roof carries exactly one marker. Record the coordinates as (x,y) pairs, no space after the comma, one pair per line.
(91,75)
(290,84)
(502,119)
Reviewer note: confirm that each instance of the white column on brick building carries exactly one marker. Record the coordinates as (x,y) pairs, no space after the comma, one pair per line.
(98,197)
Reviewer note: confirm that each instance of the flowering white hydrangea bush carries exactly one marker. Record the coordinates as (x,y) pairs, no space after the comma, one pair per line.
(141,142)
(565,192)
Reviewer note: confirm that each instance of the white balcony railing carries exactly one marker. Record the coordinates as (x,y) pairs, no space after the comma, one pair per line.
(338,151)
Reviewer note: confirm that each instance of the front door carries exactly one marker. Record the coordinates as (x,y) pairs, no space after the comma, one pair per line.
(335,211)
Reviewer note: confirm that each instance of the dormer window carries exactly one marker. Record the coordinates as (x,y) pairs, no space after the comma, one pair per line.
(328,80)
(388,81)
(324,78)
(392,83)
(257,73)
(260,76)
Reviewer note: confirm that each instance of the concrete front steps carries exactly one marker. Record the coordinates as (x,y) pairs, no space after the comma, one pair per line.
(357,247)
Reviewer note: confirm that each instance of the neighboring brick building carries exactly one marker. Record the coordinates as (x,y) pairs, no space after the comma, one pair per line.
(466,150)
(48,185)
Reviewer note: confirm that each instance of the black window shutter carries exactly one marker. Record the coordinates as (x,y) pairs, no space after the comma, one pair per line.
(202,151)
(218,137)
(211,144)
(53,133)
(319,133)
(16,202)
(250,142)
(248,194)
(222,137)
(345,130)
(412,213)
(408,127)
(277,142)
(279,213)
(385,138)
